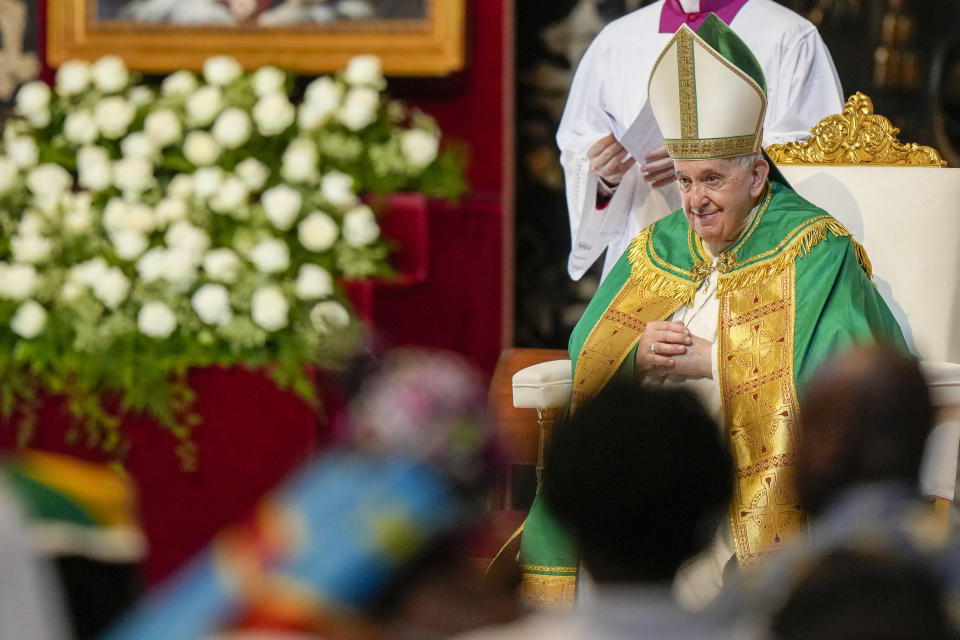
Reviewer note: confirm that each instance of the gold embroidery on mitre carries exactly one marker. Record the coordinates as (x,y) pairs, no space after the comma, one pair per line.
(760,412)
(614,335)
(548,590)
(687,81)
(704,148)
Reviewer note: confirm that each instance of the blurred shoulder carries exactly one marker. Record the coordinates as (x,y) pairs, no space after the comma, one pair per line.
(633,26)
(536,626)
(772,17)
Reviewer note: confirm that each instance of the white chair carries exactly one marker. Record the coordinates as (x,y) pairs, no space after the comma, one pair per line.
(903,205)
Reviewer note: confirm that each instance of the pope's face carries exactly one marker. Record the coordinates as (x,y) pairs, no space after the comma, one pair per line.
(718,196)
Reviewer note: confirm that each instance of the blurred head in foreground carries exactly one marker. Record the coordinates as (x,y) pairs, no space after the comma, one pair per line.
(640,478)
(865,418)
(349,543)
(850,595)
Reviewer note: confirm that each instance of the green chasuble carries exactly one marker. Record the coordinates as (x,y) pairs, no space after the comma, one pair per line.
(794,288)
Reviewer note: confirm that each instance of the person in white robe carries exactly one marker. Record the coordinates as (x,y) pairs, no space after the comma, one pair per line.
(609,90)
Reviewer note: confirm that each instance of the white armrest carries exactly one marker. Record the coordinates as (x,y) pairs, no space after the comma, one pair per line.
(938,470)
(943,379)
(545,385)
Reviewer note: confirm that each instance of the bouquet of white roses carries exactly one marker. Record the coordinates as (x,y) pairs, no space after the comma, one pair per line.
(146,230)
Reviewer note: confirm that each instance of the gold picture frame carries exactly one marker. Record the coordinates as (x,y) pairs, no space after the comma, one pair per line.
(432,46)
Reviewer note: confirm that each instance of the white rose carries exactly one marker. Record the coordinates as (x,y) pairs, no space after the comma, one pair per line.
(337,189)
(31,224)
(360,226)
(138,145)
(232,128)
(201,149)
(32,248)
(169,210)
(33,103)
(109,74)
(129,244)
(163,128)
(268,80)
(73,77)
(140,217)
(133,175)
(359,108)
(231,196)
(111,288)
(206,181)
(282,205)
(328,315)
(204,105)
(78,219)
(314,282)
(270,255)
(221,265)
(364,70)
(317,232)
(300,161)
(269,308)
(71,290)
(139,96)
(212,304)
(80,128)
(310,116)
(221,70)
(152,265)
(90,271)
(113,116)
(115,215)
(22,151)
(19,281)
(29,320)
(181,83)
(273,114)
(322,98)
(253,173)
(8,174)
(419,147)
(94,168)
(188,238)
(49,180)
(182,185)
(156,320)
(181,268)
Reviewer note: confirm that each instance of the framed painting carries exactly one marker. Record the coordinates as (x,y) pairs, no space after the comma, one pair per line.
(412,37)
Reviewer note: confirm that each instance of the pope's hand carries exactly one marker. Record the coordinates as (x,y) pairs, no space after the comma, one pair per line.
(658,168)
(660,344)
(607,159)
(696,361)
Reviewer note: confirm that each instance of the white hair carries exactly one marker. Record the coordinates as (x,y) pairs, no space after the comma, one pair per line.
(742,162)
(746,160)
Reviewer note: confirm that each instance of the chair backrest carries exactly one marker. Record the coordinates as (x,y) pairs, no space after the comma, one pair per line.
(901,204)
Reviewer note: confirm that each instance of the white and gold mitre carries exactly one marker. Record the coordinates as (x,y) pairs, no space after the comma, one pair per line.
(708,94)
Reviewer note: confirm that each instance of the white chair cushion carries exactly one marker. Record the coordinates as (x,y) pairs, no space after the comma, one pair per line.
(943,379)
(545,385)
(906,218)
(938,470)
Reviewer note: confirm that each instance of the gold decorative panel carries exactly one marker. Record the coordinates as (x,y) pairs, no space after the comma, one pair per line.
(856,136)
